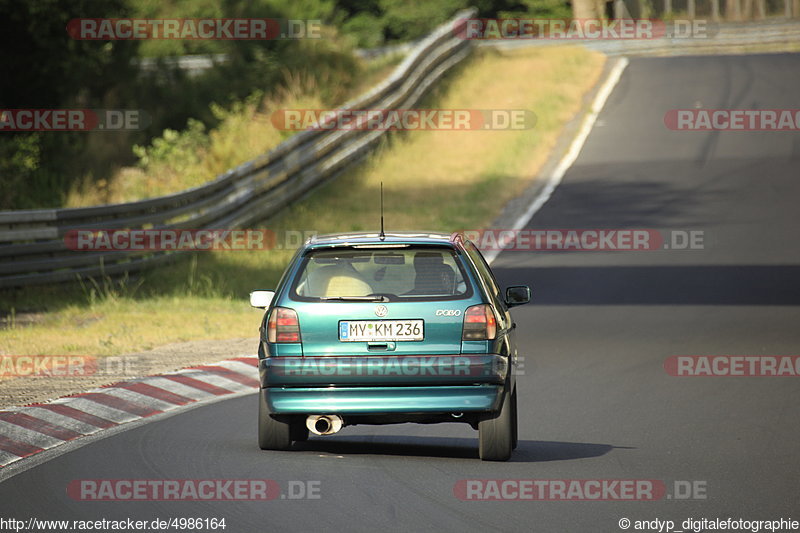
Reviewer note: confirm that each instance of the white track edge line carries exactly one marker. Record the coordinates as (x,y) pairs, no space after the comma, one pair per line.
(572,154)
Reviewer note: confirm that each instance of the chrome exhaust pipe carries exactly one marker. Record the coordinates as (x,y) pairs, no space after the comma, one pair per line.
(324,424)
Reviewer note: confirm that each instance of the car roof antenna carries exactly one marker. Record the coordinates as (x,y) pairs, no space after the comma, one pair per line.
(383,234)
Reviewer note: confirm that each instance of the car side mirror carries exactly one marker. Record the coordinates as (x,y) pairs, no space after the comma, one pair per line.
(261,299)
(518,295)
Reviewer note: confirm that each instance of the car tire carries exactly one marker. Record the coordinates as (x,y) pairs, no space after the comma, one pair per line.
(514,420)
(496,433)
(299,431)
(273,433)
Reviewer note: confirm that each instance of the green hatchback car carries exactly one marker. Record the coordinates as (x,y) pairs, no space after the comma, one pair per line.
(368,328)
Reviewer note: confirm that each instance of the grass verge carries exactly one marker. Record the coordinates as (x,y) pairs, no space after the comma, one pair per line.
(433,180)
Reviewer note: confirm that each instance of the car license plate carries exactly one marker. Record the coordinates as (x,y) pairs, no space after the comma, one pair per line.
(381,330)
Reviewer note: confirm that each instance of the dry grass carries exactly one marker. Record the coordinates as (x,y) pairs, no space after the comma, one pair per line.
(115,328)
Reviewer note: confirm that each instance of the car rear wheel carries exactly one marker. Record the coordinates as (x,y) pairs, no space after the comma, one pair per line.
(299,430)
(273,434)
(496,433)
(514,420)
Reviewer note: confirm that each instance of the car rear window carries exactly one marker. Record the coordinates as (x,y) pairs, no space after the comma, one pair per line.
(400,274)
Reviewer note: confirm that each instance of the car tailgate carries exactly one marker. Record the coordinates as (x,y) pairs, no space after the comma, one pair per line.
(441,325)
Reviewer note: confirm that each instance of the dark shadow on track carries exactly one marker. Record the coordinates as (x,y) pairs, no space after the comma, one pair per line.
(660,285)
(528,451)
(626,196)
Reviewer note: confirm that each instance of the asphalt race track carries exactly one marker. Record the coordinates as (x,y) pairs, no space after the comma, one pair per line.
(596,401)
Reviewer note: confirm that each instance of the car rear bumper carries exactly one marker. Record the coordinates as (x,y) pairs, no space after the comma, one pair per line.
(383,370)
(383,400)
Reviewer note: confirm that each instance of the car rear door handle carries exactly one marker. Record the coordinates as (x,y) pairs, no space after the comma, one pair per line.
(381,346)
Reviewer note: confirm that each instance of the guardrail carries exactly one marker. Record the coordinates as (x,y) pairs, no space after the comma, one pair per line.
(32,247)
(728,35)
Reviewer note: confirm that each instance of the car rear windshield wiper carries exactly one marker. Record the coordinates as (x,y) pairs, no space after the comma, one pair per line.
(354,298)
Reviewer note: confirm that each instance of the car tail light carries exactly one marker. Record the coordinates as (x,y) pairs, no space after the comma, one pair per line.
(479,323)
(283,325)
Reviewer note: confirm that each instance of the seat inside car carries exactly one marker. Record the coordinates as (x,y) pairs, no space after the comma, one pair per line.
(340,279)
(432,276)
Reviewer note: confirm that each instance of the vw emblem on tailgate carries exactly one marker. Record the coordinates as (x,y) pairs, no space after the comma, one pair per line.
(381,310)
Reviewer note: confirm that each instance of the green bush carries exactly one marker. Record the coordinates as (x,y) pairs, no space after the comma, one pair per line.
(178,149)
(366,29)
